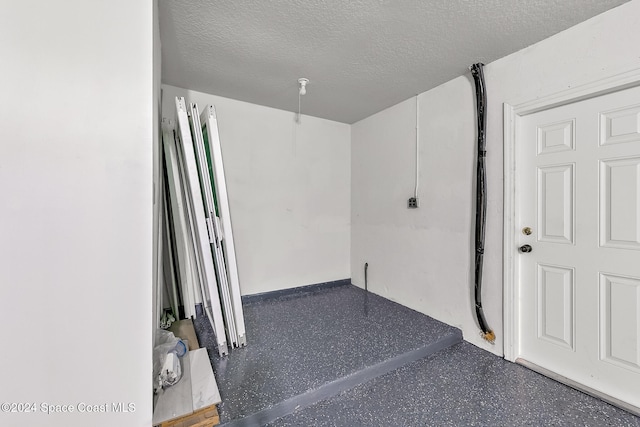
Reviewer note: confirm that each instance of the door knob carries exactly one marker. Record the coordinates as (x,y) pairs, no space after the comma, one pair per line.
(525,249)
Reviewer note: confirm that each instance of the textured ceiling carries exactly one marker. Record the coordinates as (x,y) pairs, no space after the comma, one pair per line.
(361,56)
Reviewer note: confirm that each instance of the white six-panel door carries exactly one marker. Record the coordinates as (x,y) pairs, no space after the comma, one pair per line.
(578,189)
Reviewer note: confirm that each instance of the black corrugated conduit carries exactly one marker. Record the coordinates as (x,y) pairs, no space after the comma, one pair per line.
(481,197)
(366,290)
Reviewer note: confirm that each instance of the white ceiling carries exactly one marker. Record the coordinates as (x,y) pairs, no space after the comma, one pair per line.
(361,56)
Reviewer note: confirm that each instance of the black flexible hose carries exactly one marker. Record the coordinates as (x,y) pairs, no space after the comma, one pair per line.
(481,199)
(366,290)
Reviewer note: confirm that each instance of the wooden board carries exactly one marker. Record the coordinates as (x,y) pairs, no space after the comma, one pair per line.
(205,417)
(184,330)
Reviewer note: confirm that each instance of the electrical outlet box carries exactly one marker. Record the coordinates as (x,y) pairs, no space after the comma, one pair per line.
(413,203)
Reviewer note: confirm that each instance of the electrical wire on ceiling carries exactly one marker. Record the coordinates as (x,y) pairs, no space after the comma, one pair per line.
(481,197)
(415,192)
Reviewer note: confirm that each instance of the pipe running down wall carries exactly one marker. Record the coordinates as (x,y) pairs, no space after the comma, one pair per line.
(481,198)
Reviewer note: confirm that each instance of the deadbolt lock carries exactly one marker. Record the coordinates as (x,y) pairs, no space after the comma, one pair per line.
(525,249)
(526,231)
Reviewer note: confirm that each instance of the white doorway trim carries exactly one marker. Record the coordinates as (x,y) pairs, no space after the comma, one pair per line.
(512,115)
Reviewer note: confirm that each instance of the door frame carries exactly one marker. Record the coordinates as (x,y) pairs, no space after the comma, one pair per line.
(513,113)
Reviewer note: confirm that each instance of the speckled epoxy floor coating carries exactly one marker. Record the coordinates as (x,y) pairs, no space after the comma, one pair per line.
(296,344)
(460,386)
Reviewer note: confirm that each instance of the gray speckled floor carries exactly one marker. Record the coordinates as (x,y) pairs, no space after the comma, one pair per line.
(304,342)
(296,344)
(460,386)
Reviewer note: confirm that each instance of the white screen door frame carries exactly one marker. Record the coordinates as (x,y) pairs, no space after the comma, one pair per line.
(209,122)
(210,217)
(200,237)
(513,115)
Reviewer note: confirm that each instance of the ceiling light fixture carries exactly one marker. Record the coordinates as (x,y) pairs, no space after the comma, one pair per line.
(302,85)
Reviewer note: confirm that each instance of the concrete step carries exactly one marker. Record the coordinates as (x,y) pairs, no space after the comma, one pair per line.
(304,347)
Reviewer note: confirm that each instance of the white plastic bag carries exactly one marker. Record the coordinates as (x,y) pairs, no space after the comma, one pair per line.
(167,366)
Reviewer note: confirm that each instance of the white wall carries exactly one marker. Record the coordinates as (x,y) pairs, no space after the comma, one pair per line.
(76,217)
(423,258)
(289,192)
(159,289)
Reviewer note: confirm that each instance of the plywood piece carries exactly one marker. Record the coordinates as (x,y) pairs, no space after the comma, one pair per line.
(203,382)
(184,330)
(176,401)
(205,417)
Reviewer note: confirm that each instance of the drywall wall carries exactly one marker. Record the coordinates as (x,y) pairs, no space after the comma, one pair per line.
(423,258)
(76,217)
(289,192)
(159,289)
